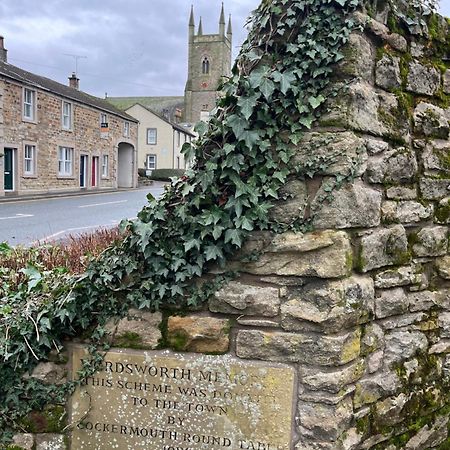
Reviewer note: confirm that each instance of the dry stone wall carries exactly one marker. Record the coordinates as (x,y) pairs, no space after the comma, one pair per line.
(360,307)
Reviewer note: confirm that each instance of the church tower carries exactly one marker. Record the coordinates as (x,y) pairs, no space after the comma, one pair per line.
(209,60)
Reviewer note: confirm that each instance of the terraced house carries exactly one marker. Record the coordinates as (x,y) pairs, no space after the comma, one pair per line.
(56,138)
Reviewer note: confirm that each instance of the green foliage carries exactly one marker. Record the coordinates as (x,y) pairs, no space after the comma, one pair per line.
(166,174)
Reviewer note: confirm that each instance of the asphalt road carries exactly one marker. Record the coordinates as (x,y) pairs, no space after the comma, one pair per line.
(45,220)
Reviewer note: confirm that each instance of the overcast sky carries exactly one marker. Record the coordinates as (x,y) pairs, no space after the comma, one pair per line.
(128,48)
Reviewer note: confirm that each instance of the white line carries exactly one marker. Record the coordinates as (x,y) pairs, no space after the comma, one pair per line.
(17,216)
(101,204)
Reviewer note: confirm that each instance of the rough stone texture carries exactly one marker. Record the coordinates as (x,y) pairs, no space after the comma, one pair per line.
(240,298)
(431,241)
(50,441)
(360,58)
(140,328)
(429,437)
(344,208)
(435,157)
(323,254)
(401,193)
(387,74)
(394,166)
(329,306)
(305,348)
(24,440)
(422,79)
(50,373)
(446,83)
(443,267)
(434,189)
(384,247)
(406,212)
(370,389)
(293,206)
(422,301)
(431,121)
(402,345)
(390,303)
(376,146)
(401,276)
(200,334)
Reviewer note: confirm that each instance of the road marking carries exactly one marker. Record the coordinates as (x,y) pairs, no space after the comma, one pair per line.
(17,216)
(101,204)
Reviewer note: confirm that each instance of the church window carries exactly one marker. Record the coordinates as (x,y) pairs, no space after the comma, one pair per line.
(205,65)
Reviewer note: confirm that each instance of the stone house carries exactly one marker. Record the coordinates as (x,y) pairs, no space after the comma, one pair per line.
(159,140)
(55,138)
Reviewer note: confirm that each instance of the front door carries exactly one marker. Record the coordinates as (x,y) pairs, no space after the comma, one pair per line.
(9,169)
(83,170)
(94,182)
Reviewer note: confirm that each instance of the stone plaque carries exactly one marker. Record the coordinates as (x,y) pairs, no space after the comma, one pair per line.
(165,401)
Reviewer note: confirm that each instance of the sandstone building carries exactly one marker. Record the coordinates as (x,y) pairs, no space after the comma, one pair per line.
(209,60)
(55,138)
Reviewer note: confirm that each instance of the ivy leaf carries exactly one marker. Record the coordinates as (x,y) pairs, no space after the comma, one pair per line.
(315,102)
(238,124)
(213,252)
(234,236)
(267,87)
(285,79)
(247,105)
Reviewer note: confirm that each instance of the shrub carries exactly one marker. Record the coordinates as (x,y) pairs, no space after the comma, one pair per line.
(166,174)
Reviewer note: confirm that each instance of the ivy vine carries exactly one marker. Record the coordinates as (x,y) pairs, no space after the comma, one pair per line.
(242,159)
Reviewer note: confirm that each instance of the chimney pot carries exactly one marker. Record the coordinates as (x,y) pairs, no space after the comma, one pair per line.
(3,51)
(74,81)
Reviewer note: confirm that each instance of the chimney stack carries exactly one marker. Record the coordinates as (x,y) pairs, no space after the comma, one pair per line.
(3,51)
(74,81)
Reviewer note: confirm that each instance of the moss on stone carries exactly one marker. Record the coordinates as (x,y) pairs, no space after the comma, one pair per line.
(442,212)
(131,340)
(53,419)
(178,341)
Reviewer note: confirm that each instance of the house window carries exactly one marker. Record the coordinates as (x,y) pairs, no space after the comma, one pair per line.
(126,129)
(103,120)
(65,161)
(29,160)
(29,104)
(151,162)
(105,166)
(205,66)
(67,115)
(151,136)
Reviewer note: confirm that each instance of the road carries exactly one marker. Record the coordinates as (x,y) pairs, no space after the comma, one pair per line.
(28,222)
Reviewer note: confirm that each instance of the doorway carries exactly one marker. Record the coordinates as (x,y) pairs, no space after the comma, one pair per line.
(9,169)
(125,177)
(94,180)
(83,170)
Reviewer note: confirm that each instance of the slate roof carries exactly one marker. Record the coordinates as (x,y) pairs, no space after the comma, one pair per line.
(161,105)
(46,84)
(170,122)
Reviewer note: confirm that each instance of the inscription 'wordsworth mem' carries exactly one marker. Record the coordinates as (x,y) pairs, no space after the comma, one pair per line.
(166,401)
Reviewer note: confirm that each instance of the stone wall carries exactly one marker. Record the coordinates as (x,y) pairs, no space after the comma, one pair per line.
(47,134)
(360,307)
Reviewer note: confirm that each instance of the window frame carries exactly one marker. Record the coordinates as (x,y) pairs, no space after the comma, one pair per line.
(126,129)
(32,104)
(32,160)
(147,160)
(65,162)
(70,116)
(156,136)
(105,173)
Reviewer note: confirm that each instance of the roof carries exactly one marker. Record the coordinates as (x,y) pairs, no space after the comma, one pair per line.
(46,84)
(157,114)
(161,105)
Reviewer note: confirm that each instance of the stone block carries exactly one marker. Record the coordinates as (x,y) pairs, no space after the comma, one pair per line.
(322,254)
(389,411)
(443,267)
(436,157)
(444,324)
(405,212)
(422,300)
(387,72)
(395,166)
(292,207)
(442,211)
(434,189)
(50,373)
(425,80)
(359,58)
(304,348)
(140,329)
(430,436)
(24,441)
(401,193)
(431,121)
(330,379)
(245,299)
(341,208)
(325,422)
(400,276)
(50,441)
(373,338)
(431,241)
(201,334)
(329,306)
(403,345)
(371,389)
(446,84)
(406,320)
(339,153)
(376,146)
(390,303)
(383,247)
